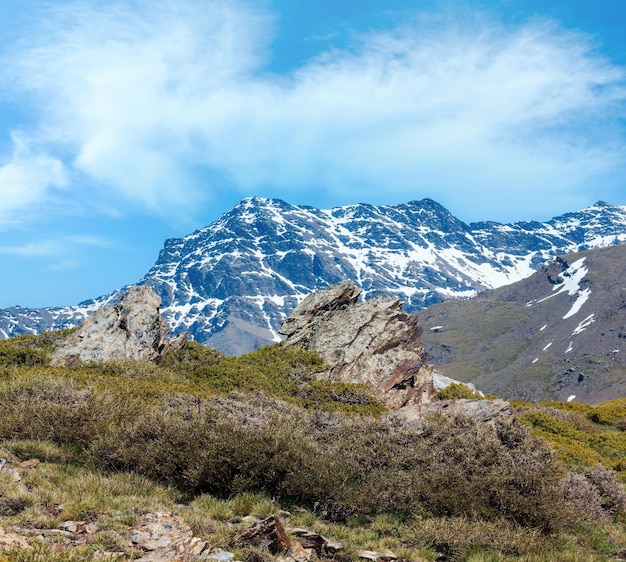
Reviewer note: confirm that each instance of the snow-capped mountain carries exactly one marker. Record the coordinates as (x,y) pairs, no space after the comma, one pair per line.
(231,283)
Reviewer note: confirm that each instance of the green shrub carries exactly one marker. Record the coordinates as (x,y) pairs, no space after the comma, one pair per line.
(13,353)
(251,443)
(580,442)
(30,350)
(458,391)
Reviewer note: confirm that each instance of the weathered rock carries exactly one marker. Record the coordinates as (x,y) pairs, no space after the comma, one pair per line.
(15,474)
(132,328)
(79,527)
(373,342)
(269,533)
(159,530)
(386,556)
(298,553)
(323,547)
(484,411)
(30,463)
(11,540)
(165,537)
(215,555)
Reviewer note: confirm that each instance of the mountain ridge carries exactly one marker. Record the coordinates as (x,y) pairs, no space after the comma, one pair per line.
(231,283)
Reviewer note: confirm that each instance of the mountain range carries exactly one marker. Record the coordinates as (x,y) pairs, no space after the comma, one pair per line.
(232,283)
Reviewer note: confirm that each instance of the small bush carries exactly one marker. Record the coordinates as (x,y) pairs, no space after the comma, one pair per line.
(610,489)
(13,353)
(458,391)
(585,496)
(30,350)
(336,396)
(580,443)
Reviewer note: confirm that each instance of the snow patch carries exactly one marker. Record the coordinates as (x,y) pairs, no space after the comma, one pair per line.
(572,278)
(584,325)
(260,302)
(547,346)
(582,299)
(543,327)
(570,348)
(572,397)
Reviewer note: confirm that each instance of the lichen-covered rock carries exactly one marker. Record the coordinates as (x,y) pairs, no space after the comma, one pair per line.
(133,328)
(166,537)
(373,342)
(484,411)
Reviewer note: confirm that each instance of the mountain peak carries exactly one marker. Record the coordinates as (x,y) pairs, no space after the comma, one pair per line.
(427,204)
(232,283)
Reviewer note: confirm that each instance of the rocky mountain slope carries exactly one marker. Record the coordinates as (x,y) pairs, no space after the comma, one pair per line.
(232,283)
(558,334)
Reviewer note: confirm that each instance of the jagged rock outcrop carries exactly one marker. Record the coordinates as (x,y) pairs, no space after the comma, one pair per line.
(268,534)
(133,328)
(373,342)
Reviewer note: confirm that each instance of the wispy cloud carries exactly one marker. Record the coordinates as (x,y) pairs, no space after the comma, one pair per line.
(65,265)
(45,248)
(161,105)
(57,247)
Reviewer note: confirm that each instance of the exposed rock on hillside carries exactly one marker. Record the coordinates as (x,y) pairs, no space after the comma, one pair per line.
(373,342)
(132,328)
(484,411)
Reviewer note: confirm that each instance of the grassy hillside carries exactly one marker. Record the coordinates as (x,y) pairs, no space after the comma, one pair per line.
(520,341)
(218,438)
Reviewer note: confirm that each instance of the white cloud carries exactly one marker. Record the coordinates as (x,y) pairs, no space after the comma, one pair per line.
(27,180)
(160,104)
(43,248)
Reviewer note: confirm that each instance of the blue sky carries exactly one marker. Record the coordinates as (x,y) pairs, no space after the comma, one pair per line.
(125,123)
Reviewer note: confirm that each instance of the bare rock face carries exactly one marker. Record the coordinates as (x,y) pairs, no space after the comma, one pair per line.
(373,342)
(483,411)
(132,328)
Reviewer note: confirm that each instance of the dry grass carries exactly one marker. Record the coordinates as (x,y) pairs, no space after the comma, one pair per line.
(191,436)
